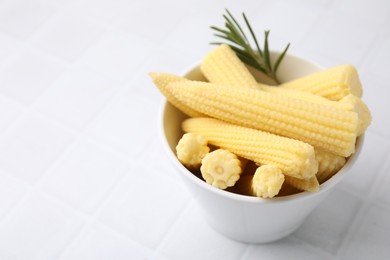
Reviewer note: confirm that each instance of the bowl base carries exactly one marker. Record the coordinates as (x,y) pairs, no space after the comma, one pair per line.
(256,239)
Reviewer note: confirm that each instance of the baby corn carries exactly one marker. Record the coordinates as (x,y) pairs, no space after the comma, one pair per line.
(191,149)
(267,181)
(353,103)
(161,80)
(222,66)
(333,83)
(293,157)
(328,164)
(310,184)
(330,128)
(349,103)
(221,168)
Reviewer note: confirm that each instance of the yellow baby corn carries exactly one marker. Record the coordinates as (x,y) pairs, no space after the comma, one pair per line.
(328,164)
(191,149)
(293,157)
(161,80)
(349,103)
(221,168)
(222,66)
(353,103)
(310,184)
(330,128)
(333,83)
(267,181)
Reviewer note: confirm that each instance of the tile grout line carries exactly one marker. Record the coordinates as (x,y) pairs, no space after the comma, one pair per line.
(78,136)
(108,197)
(35,186)
(247,251)
(93,217)
(170,230)
(94,220)
(352,229)
(313,247)
(368,49)
(366,202)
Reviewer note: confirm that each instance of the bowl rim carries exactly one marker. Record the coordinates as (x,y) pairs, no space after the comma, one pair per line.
(324,187)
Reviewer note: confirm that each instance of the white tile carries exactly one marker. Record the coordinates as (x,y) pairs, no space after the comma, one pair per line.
(31,147)
(163,59)
(287,248)
(38,229)
(28,75)
(85,176)
(371,239)
(117,55)
(236,7)
(23,18)
(157,256)
(193,239)
(99,243)
(161,163)
(145,205)
(323,3)
(5,3)
(374,10)
(375,95)
(367,167)
(76,97)
(126,124)
(345,38)
(326,227)
(193,34)
(301,17)
(60,3)
(377,59)
(8,46)
(169,59)
(69,36)
(11,191)
(8,113)
(381,191)
(161,19)
(111,12)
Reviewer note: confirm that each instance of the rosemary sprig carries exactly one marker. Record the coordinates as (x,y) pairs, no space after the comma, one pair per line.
(256,57)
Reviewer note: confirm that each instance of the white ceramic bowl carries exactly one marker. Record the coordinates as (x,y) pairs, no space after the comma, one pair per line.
(245,218)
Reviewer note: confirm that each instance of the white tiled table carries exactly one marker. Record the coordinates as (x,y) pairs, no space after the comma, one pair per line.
(82,171)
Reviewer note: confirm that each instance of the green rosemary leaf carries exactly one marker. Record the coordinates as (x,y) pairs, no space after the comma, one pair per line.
(222,36)
(253,35)
(253,63)
(225,35)
(219,30)
(248,59)
(216,43)
(267,61)
(236,38)
(234,34)
(237,24)
(280,58)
